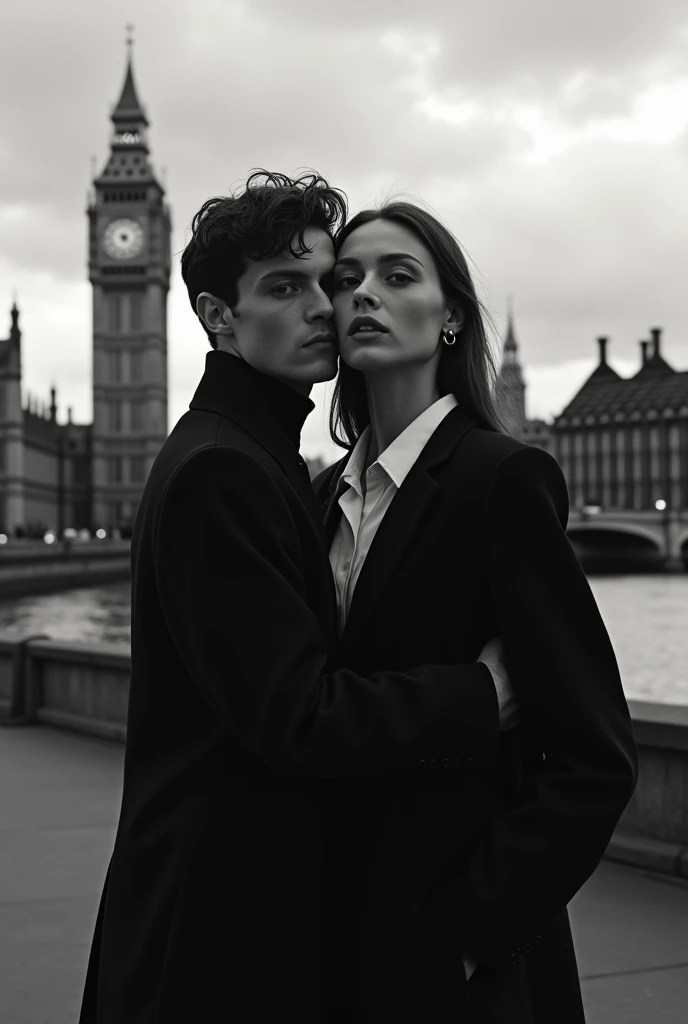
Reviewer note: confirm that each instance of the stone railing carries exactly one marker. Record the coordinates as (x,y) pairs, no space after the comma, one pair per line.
(85,688)
(36,568)
(81,687)
(653,831)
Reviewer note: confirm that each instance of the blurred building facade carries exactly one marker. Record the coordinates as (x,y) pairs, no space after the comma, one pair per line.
(92,475)
(622,443)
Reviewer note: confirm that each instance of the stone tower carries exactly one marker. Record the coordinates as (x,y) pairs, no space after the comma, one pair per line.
(11,430)
(512,387)
(129,268)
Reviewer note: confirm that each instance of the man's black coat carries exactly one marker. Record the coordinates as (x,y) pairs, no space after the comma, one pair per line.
(219,902)
(474,546)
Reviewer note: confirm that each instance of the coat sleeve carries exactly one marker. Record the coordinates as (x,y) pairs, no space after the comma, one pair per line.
(230,578)
(538,853)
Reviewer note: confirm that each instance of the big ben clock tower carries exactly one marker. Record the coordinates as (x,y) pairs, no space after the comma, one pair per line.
(129,268)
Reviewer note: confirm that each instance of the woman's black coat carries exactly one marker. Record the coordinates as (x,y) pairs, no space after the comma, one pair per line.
(474,546)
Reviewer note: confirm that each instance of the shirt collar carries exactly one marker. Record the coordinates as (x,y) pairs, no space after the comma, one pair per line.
(399,457)
(351,477)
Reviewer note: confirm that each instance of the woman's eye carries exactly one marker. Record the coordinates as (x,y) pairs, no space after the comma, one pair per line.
(402,275)
(277,289)
(343,281)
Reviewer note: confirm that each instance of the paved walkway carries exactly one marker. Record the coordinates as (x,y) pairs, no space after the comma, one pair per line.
(59,804)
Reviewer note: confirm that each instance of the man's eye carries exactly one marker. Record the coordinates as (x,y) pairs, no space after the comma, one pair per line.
(277,290)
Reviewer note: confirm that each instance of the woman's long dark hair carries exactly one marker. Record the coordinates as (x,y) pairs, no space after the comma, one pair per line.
(466,369)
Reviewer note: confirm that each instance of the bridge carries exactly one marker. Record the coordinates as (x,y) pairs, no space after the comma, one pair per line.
(608,532)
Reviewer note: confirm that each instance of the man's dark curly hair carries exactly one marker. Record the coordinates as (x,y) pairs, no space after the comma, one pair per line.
(267,217)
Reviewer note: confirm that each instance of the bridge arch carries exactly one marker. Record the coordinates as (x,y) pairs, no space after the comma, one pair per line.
(656,537)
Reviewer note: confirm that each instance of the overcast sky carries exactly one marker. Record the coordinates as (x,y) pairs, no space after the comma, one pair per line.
(550,137)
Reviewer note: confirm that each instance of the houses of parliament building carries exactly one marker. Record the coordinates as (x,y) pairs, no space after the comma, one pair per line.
(621,443)
(92,475)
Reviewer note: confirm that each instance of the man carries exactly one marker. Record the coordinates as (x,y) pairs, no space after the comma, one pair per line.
(240,726)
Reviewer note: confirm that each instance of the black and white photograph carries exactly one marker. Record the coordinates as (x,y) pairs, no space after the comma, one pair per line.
(344,512)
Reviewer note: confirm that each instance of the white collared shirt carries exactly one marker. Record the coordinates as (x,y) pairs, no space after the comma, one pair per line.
(361,516)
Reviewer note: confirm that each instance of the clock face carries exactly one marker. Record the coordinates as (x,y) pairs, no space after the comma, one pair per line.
(123,239)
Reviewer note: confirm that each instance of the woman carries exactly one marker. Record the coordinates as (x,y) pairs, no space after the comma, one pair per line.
(443,532)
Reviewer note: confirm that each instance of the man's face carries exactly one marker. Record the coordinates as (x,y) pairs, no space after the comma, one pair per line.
(282,325)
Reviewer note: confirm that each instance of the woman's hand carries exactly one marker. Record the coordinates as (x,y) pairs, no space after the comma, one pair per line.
(492,655)
(470,965)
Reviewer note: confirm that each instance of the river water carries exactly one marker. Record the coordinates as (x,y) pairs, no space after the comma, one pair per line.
(646,616)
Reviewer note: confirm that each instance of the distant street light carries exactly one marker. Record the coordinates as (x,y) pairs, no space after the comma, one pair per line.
(3,538)
(49,537)
(660,504)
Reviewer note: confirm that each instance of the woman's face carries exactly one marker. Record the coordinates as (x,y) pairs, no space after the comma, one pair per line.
(383,271)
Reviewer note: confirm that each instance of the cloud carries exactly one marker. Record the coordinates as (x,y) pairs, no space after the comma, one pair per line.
(551,138)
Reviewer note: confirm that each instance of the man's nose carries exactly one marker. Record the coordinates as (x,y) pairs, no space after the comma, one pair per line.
(323,308)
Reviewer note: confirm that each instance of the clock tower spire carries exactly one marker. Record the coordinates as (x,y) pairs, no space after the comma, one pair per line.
(129,268)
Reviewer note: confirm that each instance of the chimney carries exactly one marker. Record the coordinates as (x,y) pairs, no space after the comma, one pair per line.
(643,352)
(53,404)
(602,342)
(69,414)
(656,333)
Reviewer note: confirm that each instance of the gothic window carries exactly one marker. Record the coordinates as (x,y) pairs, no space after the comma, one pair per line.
(114,411)
(136,365)
(114,305)
(80,475)
(136,311)
(114,469)
(621,467)
(137,416)
(114,360)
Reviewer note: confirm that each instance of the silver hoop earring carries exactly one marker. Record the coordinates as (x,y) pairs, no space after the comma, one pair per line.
(449,338)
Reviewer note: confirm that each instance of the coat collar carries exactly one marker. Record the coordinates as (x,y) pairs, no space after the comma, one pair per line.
(271,412)
(403,518)
(233,388)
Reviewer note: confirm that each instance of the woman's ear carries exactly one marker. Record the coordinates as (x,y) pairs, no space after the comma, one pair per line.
(454,318)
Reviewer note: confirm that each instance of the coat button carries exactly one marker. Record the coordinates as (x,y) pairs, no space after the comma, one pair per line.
(445,762)
(433,762)
(470,762)
(514,958)
(459,762)
(528,947)
(422,763)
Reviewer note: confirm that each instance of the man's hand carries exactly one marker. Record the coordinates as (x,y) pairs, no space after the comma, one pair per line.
(492,655)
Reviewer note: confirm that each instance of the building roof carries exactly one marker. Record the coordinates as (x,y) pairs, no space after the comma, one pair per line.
(648,391)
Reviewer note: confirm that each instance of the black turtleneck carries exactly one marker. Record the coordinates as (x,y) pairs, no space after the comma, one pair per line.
(287,406)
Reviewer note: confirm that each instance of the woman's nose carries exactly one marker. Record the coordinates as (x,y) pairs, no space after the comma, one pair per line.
(363,295)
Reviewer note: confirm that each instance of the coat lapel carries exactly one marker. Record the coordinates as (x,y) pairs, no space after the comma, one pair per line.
(402,521)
